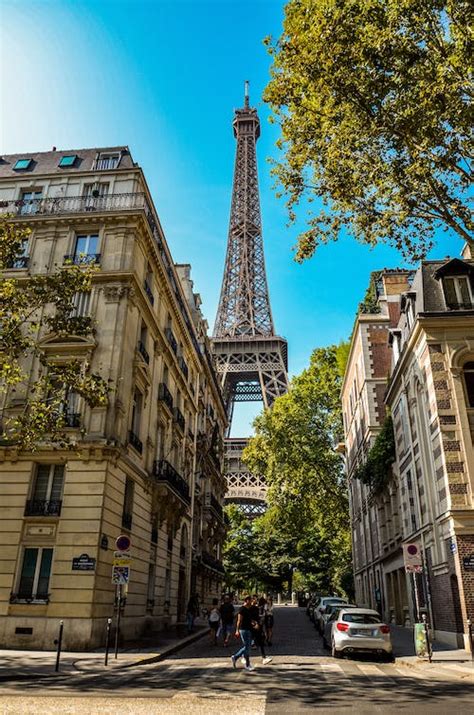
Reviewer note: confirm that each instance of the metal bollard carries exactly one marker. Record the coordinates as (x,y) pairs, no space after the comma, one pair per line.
(107,637)
(428,641)
(59,642)
(471,638)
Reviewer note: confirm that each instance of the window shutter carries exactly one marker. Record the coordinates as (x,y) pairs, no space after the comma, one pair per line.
(450,292)
(28,573)
(44,574)
(57,484)
(40,491)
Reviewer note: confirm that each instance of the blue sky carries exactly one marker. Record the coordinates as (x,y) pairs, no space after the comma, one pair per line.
(164,78)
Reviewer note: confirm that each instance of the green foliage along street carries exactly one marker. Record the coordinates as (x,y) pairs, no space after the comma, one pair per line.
(306,527)
(33,309)
(373,102)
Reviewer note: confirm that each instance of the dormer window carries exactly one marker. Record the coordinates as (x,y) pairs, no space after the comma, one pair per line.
(108,161)
(22,164)
(457,292)
(395,340)
(68,160)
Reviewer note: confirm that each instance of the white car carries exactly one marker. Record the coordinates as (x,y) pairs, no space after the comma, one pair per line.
(356,630)
(321,608)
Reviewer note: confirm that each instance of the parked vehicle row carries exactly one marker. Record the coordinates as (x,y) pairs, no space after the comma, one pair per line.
(346,628)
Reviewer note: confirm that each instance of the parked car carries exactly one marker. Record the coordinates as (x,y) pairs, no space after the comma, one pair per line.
(320,608)
(352,630)
(329,611)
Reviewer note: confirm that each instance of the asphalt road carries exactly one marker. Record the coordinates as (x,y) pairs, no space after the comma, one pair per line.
(302,678)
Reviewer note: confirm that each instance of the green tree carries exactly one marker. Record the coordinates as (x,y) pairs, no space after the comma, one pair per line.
(373,98)
(294,448)
(32,404)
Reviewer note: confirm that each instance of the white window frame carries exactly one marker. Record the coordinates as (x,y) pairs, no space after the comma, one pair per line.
(34,195)
(87,252)
(108,160)
(52,467)
(456,282)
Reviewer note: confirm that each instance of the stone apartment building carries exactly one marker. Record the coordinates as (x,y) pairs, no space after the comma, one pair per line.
(376,531)
(148,464)
(428,498)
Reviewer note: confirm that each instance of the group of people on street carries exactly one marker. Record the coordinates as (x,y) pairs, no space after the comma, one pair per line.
(254,625)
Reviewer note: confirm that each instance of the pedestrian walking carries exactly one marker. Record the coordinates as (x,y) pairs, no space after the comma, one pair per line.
(257,627)
(268,611)
(227,619)
(192,611)
(243,631)
(214,621)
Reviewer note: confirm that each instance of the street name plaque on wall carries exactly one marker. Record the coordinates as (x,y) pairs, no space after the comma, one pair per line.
(468,562)
(83,563)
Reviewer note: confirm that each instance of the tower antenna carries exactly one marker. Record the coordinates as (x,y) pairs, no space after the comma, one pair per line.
(246,94)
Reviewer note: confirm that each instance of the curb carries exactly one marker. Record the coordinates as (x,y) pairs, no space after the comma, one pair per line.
(460,673)
(174,648)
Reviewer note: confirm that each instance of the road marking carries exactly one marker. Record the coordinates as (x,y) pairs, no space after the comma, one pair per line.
(334,669)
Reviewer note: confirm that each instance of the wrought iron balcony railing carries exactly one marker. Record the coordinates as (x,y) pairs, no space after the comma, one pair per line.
(183,366)
(213,563)
(149,292)
(172,340)
(165,395)
(73,204)
(135,441)
(179,419)
(143,352)
(82,259)
(21,262)
(72,419)
(43,507)
(163,471)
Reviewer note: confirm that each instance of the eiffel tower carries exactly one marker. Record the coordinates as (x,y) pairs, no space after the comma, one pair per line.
(251,360)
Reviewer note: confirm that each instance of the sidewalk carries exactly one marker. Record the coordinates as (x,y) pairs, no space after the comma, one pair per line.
(27,664)
(445,657)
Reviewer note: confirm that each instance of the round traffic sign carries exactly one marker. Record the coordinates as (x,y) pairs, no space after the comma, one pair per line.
(412,549)
(122,542)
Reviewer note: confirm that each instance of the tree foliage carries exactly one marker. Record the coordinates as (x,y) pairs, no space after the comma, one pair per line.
(376,471)
(33,307)
(307,524)
(373,98)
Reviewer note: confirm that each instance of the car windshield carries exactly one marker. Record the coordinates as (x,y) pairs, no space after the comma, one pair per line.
(360,618)
(330,601)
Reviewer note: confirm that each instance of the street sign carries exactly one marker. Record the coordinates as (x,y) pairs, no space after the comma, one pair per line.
(468,562)
(412,558)
(453,547)
(83,563)
(122,558)
(120,575)
(123,542)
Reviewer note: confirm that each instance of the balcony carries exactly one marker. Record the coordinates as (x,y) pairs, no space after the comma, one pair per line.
(20,263)
(126,520)
(183,366)
(143,352)
(212,563)
(43,507)
(216,507)
(172,340)
(149,292)
(72,204)
(179,419)
(165,473)
(165,395)
(82,259)
(135,442)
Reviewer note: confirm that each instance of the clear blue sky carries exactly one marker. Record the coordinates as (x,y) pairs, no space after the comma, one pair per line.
(164,77)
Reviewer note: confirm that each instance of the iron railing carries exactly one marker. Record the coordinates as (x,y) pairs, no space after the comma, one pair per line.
(135,441)
(43,507)
(143,352)
(165,395)
(172,340)
(163,471)
(72,419)
(20,262)
(82,259)
(73,204)
(183,366)
(149,292)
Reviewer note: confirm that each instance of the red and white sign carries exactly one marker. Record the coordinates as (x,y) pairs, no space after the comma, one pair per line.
(412,558)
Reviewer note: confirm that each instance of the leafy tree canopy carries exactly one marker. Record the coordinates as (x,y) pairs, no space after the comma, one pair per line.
(307,525)
(373,98)
(33,384)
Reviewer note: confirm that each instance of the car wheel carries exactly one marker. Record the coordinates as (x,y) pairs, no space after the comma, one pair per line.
(335,653)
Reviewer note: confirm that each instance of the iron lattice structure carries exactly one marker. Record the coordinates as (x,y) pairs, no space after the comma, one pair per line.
(250,358)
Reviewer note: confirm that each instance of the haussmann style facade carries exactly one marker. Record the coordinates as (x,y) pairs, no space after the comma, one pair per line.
(147,465)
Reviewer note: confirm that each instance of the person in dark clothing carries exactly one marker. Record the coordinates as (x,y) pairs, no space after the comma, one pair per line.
(244,631)
(192,611)
(258,618)
(227,619)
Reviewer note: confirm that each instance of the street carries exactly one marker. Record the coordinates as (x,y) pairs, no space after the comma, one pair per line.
(200,679)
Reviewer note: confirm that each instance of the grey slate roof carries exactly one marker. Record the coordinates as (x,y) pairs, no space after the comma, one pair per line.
(46,162)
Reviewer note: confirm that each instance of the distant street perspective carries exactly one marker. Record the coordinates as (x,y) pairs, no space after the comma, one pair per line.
(236,357)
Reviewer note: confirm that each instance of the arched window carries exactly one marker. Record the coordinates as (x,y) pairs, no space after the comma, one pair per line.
(468,372)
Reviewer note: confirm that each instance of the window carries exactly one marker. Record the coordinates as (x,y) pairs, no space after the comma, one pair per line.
(21,260)
(72,415)
(86,249)
(68,160)
(81,305)
(35,573)
(107,161)
(142,343)
(30,201)
(151,585)
(47,491)
(148,283)
(468,372)
(128,503)
(363,618)
(457,292)
(22,164)
(134,435)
